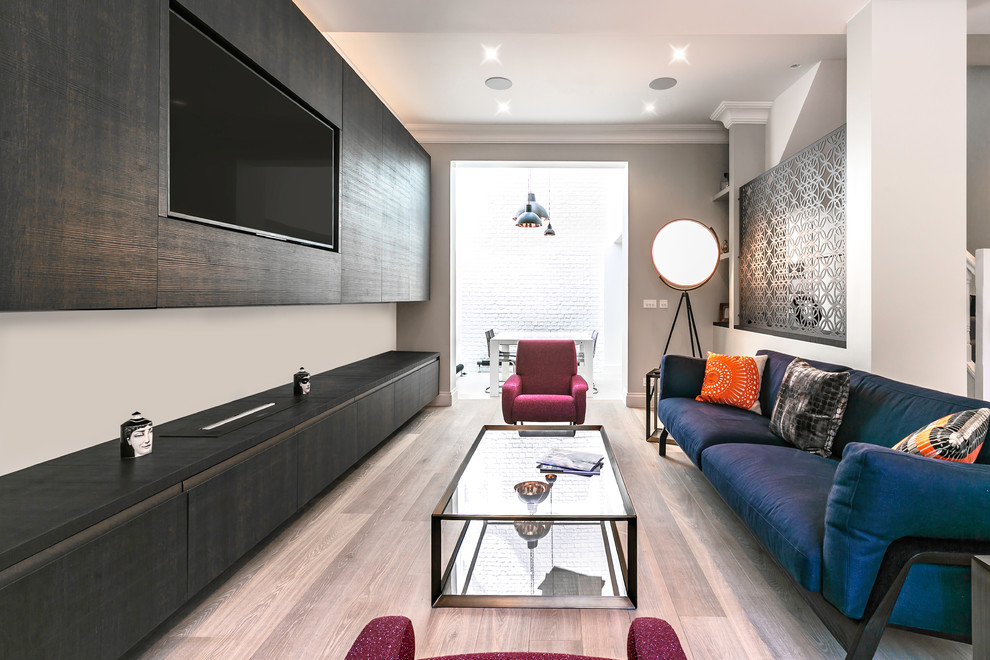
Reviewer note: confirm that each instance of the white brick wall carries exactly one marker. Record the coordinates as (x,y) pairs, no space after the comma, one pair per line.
(509,278)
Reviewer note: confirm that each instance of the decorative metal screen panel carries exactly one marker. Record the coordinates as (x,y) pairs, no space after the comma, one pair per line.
(792,246)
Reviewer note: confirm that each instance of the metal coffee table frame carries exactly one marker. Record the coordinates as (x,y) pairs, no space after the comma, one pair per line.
(623,569)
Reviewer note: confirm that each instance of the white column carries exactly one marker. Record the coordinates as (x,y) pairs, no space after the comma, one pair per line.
(906,218)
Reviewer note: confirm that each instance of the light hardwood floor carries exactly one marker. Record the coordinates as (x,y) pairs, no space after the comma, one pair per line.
(361,550)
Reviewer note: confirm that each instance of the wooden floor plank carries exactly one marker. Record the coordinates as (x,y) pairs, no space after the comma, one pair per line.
(361,550)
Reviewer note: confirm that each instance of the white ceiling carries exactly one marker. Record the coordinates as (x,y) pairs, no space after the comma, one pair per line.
(584,61)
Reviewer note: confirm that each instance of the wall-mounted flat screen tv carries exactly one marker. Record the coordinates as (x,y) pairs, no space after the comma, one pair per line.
(245,154)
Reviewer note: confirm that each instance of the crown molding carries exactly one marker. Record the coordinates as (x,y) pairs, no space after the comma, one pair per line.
(742,112)
(569,133)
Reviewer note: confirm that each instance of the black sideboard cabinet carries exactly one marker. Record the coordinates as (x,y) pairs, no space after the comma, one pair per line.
(95,551)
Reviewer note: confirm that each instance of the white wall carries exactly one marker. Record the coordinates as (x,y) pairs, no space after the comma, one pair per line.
(918,195)
(978,159)
(68,379)
(811,108)
(784,114)
(511,278)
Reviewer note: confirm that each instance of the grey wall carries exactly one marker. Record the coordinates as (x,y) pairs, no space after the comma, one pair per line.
(666,181)
(978,159)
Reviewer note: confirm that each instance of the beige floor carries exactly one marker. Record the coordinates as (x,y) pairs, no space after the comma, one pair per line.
(361,550)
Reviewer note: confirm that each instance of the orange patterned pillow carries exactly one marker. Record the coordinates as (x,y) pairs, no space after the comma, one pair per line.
(734,380)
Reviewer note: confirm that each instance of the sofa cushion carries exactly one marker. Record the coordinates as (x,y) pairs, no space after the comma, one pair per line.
(956,437)
(773,376)
(696,426)
(733,380)
(883,411)
(780,493)
(810,406)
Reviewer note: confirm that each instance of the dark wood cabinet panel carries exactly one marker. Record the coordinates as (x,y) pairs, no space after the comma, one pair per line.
(414,391)
(397,210)
(407,395)
(326,450)
(361,192)
(375,418)
(201,265)
(116,582)
(419,241)
(79,107)
(281,40)
(235,505)
(429,383)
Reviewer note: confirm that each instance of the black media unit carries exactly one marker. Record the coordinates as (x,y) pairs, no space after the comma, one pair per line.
(95,552)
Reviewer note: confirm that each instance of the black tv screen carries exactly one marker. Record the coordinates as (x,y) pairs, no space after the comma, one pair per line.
(243,154)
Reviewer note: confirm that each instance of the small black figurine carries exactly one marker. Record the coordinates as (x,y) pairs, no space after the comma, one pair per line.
(135,436)
(300,382)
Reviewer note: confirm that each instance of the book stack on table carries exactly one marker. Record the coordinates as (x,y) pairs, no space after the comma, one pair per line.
(571,462)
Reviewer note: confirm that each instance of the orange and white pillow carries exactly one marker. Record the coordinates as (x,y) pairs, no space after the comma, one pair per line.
(733,380)
(957,437)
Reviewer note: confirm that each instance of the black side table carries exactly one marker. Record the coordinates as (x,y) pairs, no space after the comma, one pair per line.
(652,400)
(981,606)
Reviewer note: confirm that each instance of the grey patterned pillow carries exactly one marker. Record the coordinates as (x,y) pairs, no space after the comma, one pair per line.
(810,406)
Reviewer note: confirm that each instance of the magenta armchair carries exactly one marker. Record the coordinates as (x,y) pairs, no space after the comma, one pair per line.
(545,387)
(392,638)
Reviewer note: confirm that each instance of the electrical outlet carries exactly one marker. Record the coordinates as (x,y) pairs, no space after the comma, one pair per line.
(650,304)
(663,304)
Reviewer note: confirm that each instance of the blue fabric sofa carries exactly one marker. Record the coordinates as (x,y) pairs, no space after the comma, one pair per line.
(851,528)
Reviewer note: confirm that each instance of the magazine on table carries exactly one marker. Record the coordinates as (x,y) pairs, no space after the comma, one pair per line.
(572,462)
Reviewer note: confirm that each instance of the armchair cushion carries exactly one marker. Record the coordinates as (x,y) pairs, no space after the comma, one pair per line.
(392,638)
(544,408)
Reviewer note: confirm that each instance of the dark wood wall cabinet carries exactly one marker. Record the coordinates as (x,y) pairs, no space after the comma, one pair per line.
(95,551)
(84,97)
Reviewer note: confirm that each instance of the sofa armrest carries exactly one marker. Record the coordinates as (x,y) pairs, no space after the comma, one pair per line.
(385,638)
(653,639)
(879,496)
(681,376)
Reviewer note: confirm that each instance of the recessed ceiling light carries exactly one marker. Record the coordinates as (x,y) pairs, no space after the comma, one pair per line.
(503,108)
(491,53)
(649,108)
(662,83)
(499,83)
(679,54)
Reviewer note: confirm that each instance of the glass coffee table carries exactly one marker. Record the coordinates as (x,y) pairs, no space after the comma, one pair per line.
(504,536)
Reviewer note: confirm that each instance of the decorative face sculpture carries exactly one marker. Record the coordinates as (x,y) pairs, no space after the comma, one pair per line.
(136,435)
(300,382)
(141,438)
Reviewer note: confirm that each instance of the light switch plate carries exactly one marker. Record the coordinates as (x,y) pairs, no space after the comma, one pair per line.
(663,304)
(650,304)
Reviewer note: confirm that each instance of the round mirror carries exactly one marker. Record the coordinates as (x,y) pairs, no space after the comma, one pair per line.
(685,254)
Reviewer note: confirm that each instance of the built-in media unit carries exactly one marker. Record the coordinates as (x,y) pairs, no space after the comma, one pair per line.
(244,153)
